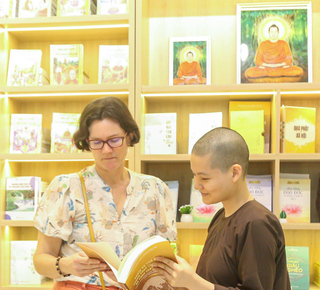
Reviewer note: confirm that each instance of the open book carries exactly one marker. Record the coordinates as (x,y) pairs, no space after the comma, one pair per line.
(135,271)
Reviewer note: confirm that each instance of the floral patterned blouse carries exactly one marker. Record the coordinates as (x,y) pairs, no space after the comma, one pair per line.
(148,211)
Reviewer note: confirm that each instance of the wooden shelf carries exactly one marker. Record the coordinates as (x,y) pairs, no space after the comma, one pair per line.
(47,157)
(304,157)
(9,223)
(45,286)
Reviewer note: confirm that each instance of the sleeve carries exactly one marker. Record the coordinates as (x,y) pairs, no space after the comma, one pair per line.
(56,209)
(165,216)
(256,256)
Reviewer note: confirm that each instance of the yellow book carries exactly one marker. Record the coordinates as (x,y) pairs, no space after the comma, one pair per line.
(250,125)
(135,271)
(298,129)
(253,106)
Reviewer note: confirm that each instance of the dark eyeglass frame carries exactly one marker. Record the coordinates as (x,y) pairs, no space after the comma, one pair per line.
(106,142)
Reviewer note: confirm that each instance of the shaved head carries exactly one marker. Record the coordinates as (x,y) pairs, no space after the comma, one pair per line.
(226,148)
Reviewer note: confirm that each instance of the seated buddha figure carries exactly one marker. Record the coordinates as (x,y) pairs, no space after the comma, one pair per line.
(189,72)
(273,59)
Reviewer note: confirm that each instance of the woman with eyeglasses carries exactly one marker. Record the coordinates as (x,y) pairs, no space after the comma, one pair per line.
(125,207)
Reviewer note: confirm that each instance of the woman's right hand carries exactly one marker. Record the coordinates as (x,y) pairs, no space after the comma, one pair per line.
(81,265)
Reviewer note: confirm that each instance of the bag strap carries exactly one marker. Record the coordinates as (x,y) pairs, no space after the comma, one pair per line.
(84,192)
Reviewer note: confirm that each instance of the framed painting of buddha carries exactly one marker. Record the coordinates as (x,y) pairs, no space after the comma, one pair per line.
(274,42)
(189,60)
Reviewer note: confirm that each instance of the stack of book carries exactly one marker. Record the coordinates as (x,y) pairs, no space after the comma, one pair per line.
(36,8)
(76,7)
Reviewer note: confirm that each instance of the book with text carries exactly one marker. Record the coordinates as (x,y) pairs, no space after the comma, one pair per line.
(135,271)
(298,129)
(201,123)
(106,7)
(66,64)
(113,64)
(254,106)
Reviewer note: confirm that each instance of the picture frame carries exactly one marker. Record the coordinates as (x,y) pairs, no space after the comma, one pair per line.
(274,42)
(190,60)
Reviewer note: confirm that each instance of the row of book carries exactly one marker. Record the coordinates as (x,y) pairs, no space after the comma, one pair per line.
(66,66)
(250,119)
(28,136)
(294,197)
(47,8)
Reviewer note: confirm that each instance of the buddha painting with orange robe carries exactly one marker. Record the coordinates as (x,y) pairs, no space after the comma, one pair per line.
(189,72)
(273,60)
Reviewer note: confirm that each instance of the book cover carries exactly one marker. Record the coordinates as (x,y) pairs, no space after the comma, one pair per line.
(260,187)
(295,199)
(21,197)
(21,268)
(75,7)
(66,64)
(24,66)
(113,64)
(298,267)
(174,190)
(7,8)
(202,212)
(106,7)
(25,133)
(35,8)
(63,126)
(195,252)
(298,129)
(135,271)
(161,133)
(250,125)
(199,124)
(254,106)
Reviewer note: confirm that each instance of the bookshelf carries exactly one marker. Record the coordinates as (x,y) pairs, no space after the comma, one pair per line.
(146,29)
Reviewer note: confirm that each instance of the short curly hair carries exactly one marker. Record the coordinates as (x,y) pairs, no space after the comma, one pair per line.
(105,108)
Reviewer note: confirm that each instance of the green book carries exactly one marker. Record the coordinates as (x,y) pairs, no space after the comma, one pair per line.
(298,267)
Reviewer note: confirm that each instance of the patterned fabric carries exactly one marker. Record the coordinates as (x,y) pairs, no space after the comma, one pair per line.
(148,211)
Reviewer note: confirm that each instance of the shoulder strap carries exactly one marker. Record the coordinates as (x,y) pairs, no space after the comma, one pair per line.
(84,193)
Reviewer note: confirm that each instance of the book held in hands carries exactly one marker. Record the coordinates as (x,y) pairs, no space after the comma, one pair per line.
(135,271)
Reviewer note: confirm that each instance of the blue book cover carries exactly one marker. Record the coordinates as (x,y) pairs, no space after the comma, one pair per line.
(298,267)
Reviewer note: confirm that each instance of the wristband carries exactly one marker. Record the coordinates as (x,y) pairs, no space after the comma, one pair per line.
(58,268)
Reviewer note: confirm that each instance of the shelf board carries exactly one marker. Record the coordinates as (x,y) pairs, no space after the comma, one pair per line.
(45,286)
(86,27)
(192,226)
(10,223)
(304,157)
(47,157)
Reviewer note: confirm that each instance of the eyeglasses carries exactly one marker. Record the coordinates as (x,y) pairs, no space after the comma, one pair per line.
(112,143)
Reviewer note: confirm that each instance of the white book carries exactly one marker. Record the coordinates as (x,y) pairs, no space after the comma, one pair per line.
(260,187)
(161,133)
(7,8)
(201,123)
(22,270)
(35,8)
(22,197)
(113,64)
(202,212)
(25,133)
(75,7)
(294,200)
(24,67)
(106,7)
(174,190)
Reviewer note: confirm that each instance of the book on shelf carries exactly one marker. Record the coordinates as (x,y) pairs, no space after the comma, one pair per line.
(260,187)
(135,271)
(105,7)
(298,129)
(161,133)
(37,8)
(202,212)
(294,197)
(63,126)
(195,252)
(113,64)
(44,77)
(22,270)
(254,106)
(318,199)
(298,267)
(250,125)
(174,190)
(22,197)
(27,134)
(66,64)
(316,276)
(76,7)
(24,67)
(201,123)
(7,8)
